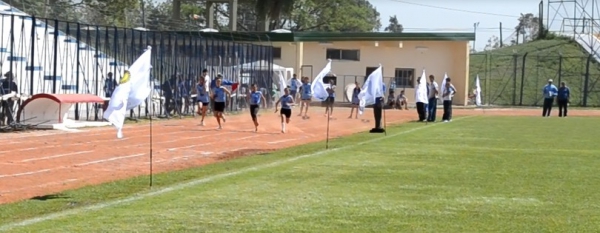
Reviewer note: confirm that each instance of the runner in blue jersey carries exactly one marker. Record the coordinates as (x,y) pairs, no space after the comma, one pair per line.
(220,94)
(255,99)
(202,97)
(305,97)
(287,101)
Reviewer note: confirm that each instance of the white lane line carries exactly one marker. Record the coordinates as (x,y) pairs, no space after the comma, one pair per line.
(285,140)
(141,196)
(210,143)
(107,160)
(27,173)
(64,167)
(41,186)
(57,156)
(136,145)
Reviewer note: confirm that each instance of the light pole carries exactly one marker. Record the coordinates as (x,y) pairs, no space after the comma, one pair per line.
(475,26)
(143,13)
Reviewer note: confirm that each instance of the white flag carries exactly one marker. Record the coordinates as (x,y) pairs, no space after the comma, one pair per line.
(318,87)
(372,89)
(421,90)
(444,84)
(282,83)
(133,89)
(140,80)
(477,92)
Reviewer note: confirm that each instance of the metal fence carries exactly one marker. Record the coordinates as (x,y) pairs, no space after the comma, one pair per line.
(518,79)
(56,57)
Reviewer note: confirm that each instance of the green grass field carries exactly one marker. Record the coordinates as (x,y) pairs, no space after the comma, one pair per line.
(496,69)
(476,174)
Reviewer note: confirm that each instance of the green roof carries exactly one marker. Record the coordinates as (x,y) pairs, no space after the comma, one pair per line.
(335,36)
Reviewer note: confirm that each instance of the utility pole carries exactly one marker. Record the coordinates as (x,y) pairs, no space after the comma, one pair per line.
(475,26)
(143,13)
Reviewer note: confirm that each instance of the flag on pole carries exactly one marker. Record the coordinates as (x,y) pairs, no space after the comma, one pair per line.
(134,88)
(444,84)
(372,89)
(139,73)
(318,86)
(477,92)
(282,83)
(421,92)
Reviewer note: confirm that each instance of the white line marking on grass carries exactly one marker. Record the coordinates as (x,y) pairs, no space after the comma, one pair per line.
(192,183)
(57,156)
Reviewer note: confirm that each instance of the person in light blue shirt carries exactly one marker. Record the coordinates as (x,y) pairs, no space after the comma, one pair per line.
(305,97)
(294,86)
(287,101)
(355,101)
(202,97)
(220,94)
(550,91)
(563,99)
(255,99)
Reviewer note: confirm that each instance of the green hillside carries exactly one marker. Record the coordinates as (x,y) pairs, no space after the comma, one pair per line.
(504,75)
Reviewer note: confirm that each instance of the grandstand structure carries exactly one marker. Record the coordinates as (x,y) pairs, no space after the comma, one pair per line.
(578,19)
(55,57)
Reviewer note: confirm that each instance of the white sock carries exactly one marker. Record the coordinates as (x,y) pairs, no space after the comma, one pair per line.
(283,127)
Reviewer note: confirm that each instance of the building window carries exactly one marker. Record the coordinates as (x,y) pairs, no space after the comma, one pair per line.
(343,54)
(276,51)
(404,77)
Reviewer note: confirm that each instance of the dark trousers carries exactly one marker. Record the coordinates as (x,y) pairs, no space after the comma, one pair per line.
(431,109)
(377,112)
(168,105)
(421,111)
(548,102)
(562,107)
(7,111)
(447,110)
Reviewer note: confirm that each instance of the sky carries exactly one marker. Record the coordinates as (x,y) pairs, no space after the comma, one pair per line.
(461,15)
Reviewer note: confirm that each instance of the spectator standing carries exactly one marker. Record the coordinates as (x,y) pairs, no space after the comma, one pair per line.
(433,88)
(563,98)
(447,94)
(550,91)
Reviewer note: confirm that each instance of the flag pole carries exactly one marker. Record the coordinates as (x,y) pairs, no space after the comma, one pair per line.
(384,122)
(151,165)
(327,140)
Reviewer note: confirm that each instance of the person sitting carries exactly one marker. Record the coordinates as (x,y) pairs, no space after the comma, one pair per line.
(401,101)
(391,102)
(473,96)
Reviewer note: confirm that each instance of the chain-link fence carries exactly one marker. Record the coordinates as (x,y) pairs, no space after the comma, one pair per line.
(57,57)
(518,79)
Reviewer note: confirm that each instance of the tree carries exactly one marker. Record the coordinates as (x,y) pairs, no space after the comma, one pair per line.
(333,16)
(528,27)
(273,10)
(492,43)
(394,26)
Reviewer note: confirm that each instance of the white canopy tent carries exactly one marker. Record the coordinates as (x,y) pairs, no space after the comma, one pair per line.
(278,70)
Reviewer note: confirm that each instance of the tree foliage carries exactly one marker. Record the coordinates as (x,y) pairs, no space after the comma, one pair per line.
(528,27)
(295,15)
(492,43)
(394,25)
